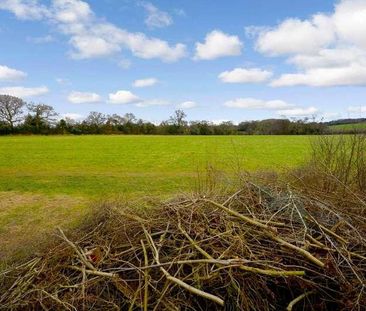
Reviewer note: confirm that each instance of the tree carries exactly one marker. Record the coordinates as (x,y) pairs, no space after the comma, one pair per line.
(11,109)
(178,118)
(96,119)
(43,116)
(130,118)
(116,120)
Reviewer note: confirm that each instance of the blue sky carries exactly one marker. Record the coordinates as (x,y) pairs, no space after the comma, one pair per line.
(217,60)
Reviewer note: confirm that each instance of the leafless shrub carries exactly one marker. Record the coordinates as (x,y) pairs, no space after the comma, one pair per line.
(337,166)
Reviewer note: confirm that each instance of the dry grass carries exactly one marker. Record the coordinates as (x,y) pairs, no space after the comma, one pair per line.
(26,220)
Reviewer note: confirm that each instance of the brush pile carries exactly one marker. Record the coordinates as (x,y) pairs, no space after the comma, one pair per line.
(259,248)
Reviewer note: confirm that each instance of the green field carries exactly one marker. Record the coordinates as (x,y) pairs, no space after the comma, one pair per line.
(100,165)
(348,127)
(48,180)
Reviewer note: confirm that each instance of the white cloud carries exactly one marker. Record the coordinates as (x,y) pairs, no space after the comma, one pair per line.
(90,36)
(297,36)
(22,92)
(326,49)
(350,21)
(187,105)
(41,40)
(220,121)
(25,9)
(218,44)
(92,46)
(145,82)
(354,74)
(10,74)
(73,116)
(357,109)
(253,103)
(123,97)
(331,115)
(328,58)
(156,18)
(298,112)
(243,75)
(71,11)
(83,97)
(152,102)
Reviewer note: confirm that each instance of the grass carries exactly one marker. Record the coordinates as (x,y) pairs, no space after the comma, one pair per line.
(348,127)
(95,166)
(48,181)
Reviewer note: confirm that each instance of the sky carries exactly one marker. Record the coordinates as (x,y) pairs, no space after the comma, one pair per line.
(217,60)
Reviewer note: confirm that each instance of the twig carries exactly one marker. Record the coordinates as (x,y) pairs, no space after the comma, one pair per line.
(175,280)
(82,257)
(146,277)
(269,234)
(94,272)
(244,268)
(296,300)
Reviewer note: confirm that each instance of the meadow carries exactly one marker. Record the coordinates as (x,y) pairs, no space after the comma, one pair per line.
(47,181)
(349,127)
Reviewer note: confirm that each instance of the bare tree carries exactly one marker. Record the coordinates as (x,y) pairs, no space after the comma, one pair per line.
(115,120)
(178,118)
(11,109)
(96,119)
(42,115)
(129,117)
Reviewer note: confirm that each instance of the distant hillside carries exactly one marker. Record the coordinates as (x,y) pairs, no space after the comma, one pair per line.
(347,125)
(346,121)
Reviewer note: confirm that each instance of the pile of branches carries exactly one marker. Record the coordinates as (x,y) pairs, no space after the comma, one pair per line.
(259,248)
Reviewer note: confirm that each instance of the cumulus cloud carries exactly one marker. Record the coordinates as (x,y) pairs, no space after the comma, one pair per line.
(218,44)
(349,20)
(253,103)
(297,36)
(243,75)
(23,92)
(354,74)
(123,97)
(187,105)
(155,17)
(90,36)
(10,74)
(326,49)
(145,82)
(83,97)
(298,112)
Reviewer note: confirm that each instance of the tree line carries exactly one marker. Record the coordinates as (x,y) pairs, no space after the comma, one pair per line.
(19,117)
